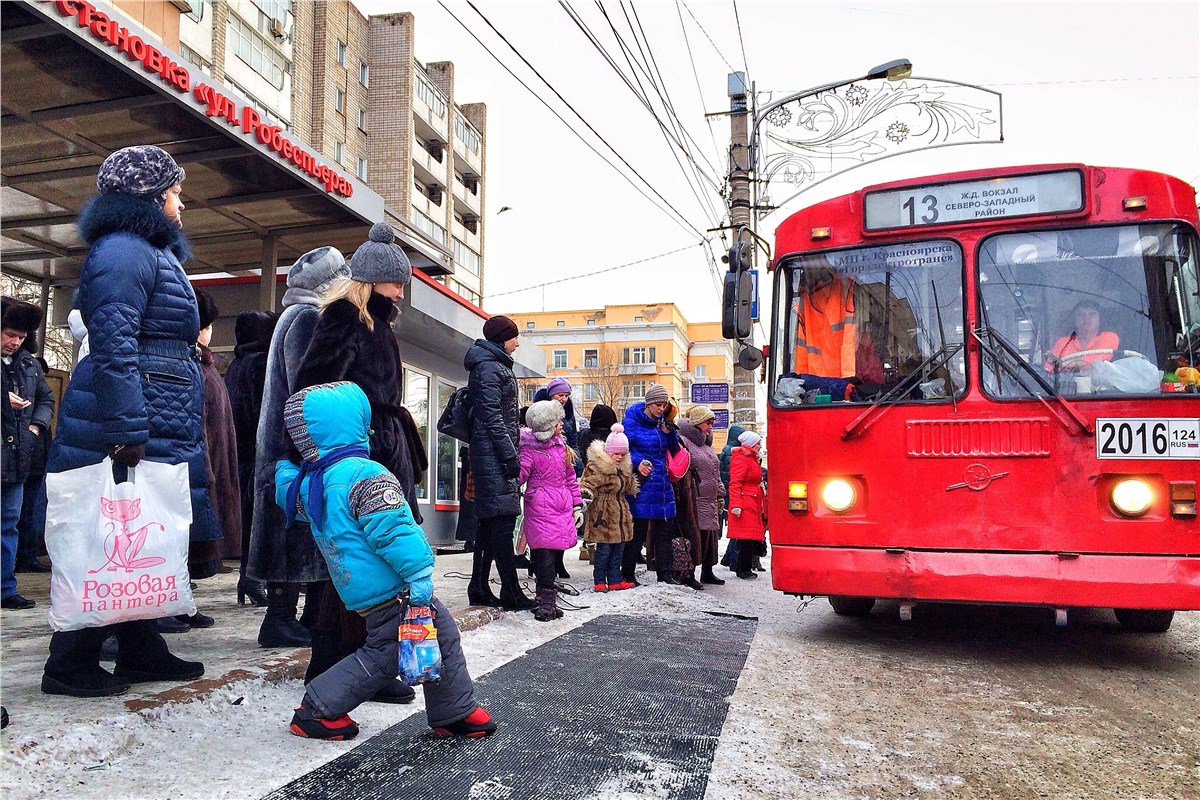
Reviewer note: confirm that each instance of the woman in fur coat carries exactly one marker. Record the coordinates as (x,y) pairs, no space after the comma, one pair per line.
(695,431)
(746,506)
(607,479)
(354,341)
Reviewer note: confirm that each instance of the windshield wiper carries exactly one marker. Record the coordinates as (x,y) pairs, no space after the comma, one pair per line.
(1015,355)
(935,361)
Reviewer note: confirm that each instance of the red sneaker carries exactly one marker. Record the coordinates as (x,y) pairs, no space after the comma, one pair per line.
(476,725)
(601,587)
(306,723)
(623,585)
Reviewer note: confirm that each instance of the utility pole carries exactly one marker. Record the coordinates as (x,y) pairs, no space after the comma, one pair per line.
(745,412)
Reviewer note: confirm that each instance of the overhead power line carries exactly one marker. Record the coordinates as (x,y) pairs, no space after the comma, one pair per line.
(597,272)
(732,68)
(696,74)
(678,217)
(741,41)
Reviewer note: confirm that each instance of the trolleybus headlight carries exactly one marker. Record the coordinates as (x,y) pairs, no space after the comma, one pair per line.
(798,496)
(1132,497)
(838,495)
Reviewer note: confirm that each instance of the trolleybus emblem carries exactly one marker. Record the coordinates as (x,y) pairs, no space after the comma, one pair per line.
(978,477)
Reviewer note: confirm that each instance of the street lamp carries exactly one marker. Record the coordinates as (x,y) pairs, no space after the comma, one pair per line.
(896,70)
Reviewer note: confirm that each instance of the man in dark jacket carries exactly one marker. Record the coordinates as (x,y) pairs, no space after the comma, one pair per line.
(495,463)
(28,406)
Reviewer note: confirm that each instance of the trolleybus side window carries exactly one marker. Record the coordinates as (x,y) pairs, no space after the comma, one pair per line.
(867,323)
(1097,311)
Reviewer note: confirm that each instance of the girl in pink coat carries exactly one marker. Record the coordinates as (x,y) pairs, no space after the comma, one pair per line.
(553,508)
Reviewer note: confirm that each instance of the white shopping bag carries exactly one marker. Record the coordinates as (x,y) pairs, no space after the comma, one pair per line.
(119,550)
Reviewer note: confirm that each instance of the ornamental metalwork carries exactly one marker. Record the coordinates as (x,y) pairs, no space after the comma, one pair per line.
(812,138)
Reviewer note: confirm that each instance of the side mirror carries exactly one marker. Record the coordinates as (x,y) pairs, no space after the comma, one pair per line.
(750,358)
(735,305)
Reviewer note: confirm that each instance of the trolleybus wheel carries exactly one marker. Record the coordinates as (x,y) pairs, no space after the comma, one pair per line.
(845,606)
(1144,620)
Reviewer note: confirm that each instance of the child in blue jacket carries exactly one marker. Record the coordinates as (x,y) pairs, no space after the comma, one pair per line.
(374,551)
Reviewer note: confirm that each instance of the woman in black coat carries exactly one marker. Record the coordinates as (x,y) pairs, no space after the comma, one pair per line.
(601,422)
(245,381)
(495,463)
(354,341)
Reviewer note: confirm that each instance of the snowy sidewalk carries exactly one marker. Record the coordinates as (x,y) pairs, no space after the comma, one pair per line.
(231,739)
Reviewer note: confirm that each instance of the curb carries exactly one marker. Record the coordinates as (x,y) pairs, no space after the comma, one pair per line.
(279,668)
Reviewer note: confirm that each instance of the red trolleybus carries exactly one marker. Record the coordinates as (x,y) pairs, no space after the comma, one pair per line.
(982,388)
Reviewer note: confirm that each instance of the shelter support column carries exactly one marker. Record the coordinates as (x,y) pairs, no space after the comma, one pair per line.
(270,263)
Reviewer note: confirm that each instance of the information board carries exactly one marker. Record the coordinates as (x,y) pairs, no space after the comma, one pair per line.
(710,393)
(722,420)
(968,201)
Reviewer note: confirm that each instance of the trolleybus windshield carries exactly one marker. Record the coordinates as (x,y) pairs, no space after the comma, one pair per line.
(862,323)
(1099,311)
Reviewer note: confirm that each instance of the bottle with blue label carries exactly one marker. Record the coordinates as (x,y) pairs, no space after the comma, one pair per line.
(420,656)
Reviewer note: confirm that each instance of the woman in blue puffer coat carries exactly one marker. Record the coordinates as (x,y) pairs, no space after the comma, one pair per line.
(138,394)
(653,507)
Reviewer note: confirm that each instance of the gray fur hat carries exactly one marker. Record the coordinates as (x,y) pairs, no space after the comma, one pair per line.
(542,416)
(143,171)
(380,259)
(316,269)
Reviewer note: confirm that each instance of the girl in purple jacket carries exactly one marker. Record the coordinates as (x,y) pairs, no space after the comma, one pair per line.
(553,508)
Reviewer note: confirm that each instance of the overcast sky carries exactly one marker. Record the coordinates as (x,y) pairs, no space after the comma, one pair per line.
(1107,84)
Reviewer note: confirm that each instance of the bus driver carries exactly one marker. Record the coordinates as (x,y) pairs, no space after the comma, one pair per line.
(1085,345)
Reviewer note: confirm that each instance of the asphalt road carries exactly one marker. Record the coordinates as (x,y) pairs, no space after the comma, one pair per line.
(963,701)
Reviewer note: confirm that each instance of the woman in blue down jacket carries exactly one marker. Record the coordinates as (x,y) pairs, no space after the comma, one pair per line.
(650,437)
(138,394)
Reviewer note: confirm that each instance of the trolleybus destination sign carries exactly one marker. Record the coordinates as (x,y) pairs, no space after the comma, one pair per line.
(964,201)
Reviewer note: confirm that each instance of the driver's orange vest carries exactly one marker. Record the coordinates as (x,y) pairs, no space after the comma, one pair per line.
(826,330)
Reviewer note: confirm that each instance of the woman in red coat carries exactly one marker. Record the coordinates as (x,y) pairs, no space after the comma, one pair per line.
(746,506)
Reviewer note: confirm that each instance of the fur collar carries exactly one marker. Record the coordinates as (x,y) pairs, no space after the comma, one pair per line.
(604,462)
(692,433)
(382,308)
(123,213)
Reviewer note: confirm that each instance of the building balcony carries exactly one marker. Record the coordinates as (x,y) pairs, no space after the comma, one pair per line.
(471,240)
(427,168)
(466,201)
(466,159)
(638,369)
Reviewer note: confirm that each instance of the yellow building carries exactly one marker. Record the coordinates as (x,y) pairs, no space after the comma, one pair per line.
(612,355)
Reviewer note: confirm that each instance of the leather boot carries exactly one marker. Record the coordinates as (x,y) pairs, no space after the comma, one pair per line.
(667,576)
(279,626)
(511,597)
(479,590)
(707,576)
(689,579)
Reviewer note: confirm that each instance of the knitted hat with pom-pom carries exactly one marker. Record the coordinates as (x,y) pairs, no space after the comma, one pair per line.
(617,441)
(380,259)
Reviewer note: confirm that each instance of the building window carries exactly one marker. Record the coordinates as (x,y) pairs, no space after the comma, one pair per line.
(638,355)
(430,95)
(364,73)
(701,371)
(341,53)
(467,133)
(425,223)
(416,400)
(560,359)
(362,120)
(591,323)
(195,58)
(275,9)
(528,326)
(467,258)
(196,11)
(590,393)
(467,293)
(339,101)
(634,390)
(361,171)
(591,358)
(560,324)
(256,52)
(339,151)
(447,454)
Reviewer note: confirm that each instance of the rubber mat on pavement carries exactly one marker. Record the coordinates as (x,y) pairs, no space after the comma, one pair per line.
(622,706)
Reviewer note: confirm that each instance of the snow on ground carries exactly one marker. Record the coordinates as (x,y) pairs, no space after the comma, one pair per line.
(235,742)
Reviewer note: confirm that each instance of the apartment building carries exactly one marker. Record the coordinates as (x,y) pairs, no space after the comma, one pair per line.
(611,355)
(352,88)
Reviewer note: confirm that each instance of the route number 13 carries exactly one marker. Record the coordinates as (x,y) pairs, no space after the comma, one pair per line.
(930,207)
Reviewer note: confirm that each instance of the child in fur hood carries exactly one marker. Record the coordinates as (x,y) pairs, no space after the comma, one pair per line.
(606,480)
(553,507)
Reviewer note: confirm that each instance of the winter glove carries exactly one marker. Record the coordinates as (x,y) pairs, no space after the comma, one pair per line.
(578,517)
(127,455)
(737,512)
(420,589)
(512,468)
